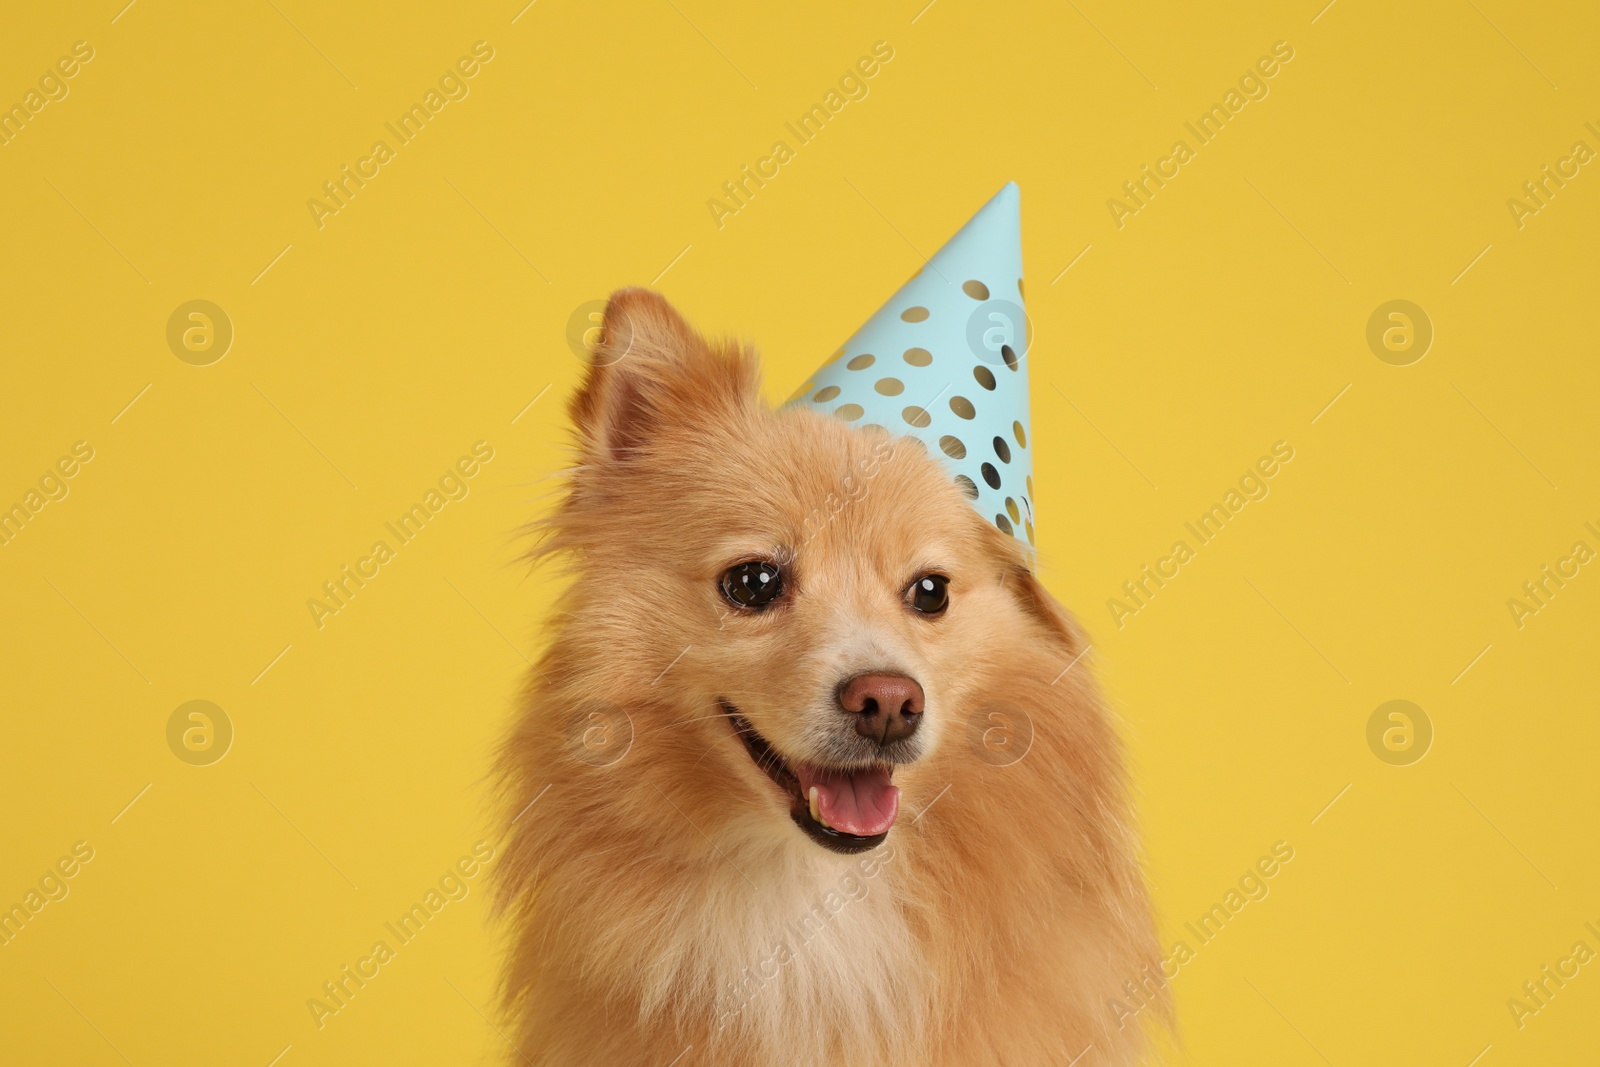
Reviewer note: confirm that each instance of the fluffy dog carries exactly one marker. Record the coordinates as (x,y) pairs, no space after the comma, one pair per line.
(816,775)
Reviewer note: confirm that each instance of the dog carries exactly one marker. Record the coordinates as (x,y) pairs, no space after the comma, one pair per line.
(810,772)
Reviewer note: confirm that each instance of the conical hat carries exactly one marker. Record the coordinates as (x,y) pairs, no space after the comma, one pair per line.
(944,361)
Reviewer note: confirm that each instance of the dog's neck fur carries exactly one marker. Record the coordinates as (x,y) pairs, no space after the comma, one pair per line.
(808,936)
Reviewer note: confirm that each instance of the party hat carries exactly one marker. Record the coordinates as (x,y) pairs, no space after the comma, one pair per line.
(943,361)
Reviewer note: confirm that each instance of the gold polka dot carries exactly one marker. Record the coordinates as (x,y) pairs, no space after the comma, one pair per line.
(826,394)
(1022,436)
(975,289)
(962,406)
(916,416)
(862,362)
(914,314)
(952,447)
(967,486)
(836,353)
(1012,510)
(1030,486)
(1024,296)
(984,375)
(1003,522)
(804,389)
(1029,527)
(850,412)
(889,386)
(872,426)
(918,357)
(1009,356)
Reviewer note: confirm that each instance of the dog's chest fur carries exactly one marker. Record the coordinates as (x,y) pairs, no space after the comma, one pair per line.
(803,957)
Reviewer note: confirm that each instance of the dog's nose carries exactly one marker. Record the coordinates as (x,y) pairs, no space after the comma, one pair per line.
(885,707)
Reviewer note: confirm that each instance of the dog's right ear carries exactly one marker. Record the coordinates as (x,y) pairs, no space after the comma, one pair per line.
(650,369)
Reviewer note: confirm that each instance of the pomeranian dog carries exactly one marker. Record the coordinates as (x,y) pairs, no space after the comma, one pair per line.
(810,772)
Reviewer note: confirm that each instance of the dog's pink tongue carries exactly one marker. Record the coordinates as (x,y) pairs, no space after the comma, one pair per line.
(863,803)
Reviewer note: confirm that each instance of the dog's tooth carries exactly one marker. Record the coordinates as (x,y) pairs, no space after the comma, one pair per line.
(816,810)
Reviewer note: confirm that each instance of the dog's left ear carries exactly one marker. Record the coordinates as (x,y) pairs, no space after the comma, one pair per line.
(649,370)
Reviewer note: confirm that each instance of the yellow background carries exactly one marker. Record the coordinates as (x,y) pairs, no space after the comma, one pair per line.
(429,313)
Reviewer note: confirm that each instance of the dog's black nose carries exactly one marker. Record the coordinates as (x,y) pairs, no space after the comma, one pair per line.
(885,707)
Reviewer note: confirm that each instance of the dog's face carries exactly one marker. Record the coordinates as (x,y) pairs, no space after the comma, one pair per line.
(811,607)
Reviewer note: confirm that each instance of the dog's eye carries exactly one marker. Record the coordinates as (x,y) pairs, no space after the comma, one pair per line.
(752,585)
(930,594)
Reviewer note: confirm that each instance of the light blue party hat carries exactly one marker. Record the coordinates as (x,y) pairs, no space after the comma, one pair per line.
(943,361)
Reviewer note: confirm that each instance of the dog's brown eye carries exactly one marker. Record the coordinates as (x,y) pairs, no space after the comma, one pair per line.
(930,594)
(752,585)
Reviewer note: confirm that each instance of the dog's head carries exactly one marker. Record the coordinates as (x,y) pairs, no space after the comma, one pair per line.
(805,607)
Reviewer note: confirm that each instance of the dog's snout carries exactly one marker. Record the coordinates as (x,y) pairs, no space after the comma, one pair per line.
(884,707)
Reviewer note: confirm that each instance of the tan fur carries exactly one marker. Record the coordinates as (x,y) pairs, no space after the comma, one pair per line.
(663,901)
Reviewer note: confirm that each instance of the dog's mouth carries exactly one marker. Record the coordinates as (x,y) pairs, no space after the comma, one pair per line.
(843,810)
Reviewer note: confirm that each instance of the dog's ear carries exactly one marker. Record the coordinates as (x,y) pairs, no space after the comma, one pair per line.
(1037,602)
(649,370)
